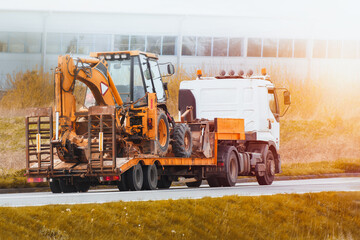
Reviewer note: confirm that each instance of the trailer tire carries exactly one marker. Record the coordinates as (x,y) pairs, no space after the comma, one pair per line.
(150,177)
(163,134)
(213,182)
(269,176)
(195,184)
(135,178)
(122,185)
(82,186)
(66,187)
(164,182)
(55,186)
(182,141)
(231,170)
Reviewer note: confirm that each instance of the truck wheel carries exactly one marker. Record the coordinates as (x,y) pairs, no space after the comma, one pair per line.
(66,187)
(213,182)
(163,136)
(122,185)
(164,182)
(268,178)
(231,168)
(182,142)
(150,177)
(82,186)
(55,186)
(135,178)
(195,184)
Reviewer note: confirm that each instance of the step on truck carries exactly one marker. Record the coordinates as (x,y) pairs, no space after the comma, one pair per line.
(110,125)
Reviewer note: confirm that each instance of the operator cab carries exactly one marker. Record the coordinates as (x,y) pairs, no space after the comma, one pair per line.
(134,74)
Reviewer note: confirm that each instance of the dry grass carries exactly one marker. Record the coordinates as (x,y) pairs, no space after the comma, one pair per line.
(307,216)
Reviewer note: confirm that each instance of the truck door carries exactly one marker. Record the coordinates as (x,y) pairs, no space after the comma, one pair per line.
(273,119)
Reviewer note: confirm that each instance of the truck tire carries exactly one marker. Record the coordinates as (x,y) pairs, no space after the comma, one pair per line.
(122,185)
(164,182)
(163,135)
(55,186)
(182,141)
(66,187)
(82,186)
(195,184)
(213,182)
(268,178)
(231,169)
(135,178)
(150,177)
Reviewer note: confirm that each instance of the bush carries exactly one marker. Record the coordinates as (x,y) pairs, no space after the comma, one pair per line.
(28,89)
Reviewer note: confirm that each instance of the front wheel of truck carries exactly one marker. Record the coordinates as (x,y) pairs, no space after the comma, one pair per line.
(269,175)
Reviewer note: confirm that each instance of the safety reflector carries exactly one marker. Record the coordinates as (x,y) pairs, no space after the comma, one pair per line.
(36,180)
(109,178)
(104,88)
(38,142)
(101,141)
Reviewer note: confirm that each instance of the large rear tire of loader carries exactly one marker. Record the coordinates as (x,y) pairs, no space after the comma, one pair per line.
(269,176)
(195,184)
(135,178)
(66,187)
(122,185)
(150,177)
(231,170)
(163,135)
(55,186)
(182,141)
(164,182)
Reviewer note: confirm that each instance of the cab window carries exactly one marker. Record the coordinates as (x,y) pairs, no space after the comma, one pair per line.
(158,84)
(120,74)
(139,90)
(147,75)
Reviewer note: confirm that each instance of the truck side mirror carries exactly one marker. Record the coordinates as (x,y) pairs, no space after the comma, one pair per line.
(287,99)
(165,86)
(170,69)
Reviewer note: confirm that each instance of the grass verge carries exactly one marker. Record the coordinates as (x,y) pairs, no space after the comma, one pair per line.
(308,216)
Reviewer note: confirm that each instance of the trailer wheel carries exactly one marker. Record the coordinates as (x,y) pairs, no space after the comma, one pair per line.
(55,186)
(135,178)
(82,186)
(231,168)
(122,185)
(164,182)
(66,187)
(268,178)
(182,141)
(163,135)
(213,182)
(150,177)
(195,184)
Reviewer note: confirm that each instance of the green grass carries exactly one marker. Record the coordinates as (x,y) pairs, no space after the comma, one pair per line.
(307,216)
(12,134)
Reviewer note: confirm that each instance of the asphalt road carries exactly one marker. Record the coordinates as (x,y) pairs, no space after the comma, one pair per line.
(241,189)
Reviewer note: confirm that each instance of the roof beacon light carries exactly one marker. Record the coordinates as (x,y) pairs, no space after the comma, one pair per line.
(249,73)
(199,73)
(263,71)
(222,73)
(231,72)
(241,73)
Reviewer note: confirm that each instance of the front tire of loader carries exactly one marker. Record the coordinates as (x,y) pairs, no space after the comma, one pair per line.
(163,135)
(269,176)
(150,177)
(164,182)
(182,141)
(135,178)
(55,186)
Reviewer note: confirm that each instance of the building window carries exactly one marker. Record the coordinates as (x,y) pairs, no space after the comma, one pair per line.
(188,46)
(220,46)
(69,43)
(235,47)
(3,42)
(86,44)
(334,48)
(169,45)
(17,42)
(102,43)
(254,47)
(153,44)
(349,49)
(33,43)
(121,43)
(270,48)
(300,48)
(203,46)
(319,49)
(137,43)
(285,48)
(53,43)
